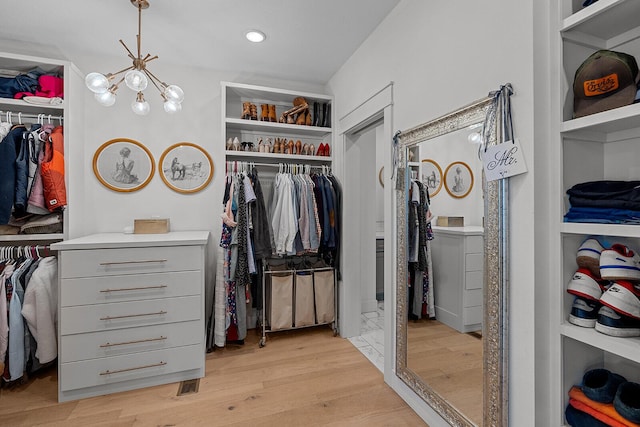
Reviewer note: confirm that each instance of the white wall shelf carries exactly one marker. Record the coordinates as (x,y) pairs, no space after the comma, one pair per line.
(261,126)
(625,347)
(284,158)
(617,230)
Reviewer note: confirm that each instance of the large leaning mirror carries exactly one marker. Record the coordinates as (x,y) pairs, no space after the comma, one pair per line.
(451,298)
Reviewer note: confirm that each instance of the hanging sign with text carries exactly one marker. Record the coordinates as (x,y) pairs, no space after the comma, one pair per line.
(503,160)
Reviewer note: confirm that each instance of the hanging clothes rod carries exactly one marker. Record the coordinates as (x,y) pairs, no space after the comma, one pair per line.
(17,117)
(277,165)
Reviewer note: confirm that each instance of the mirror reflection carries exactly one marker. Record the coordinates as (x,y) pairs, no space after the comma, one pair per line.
(446,268)
(451,285)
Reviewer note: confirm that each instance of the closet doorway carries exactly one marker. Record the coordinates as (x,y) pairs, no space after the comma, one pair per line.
(365,175)
(366,152)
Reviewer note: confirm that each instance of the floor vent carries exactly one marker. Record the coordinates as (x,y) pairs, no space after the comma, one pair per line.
(476,335)
(188,387)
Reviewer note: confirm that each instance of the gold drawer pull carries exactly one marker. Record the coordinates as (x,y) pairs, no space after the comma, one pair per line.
(134,289)
(132,262)
(133,315)
(108,372)
(161,338)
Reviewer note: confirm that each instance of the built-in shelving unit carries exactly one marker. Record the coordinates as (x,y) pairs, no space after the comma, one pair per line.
(233,96)
(602,146)
(68,113)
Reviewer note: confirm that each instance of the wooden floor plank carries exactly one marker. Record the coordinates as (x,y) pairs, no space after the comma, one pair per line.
(305,377)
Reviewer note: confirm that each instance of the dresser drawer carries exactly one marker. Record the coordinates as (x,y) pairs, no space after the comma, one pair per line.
(133,340)
(111,262)
(109,370)
(102,317)
(130,287)
(474,262)
(474,244)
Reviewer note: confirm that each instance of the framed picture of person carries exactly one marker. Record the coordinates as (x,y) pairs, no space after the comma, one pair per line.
(123,165)
(431,176)
(185,167)
(458,179)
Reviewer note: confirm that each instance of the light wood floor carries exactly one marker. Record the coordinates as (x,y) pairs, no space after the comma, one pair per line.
(301,378)
(450,362)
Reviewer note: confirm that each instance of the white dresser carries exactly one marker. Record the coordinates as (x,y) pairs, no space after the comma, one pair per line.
(131,311)
(458,270)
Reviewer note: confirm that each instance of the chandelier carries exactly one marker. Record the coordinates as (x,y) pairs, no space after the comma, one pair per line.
(136,77)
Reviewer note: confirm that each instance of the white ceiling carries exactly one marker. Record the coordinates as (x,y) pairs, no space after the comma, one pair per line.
(307,40)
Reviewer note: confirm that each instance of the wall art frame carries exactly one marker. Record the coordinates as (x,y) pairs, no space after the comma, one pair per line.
(185,167)
(458,180)
(431,174)
(123,165)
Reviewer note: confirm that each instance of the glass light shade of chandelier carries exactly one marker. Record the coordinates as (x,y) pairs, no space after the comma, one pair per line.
(106,99)
(172,107)
(97,83)
(140,106)
(136,80)
(137,77)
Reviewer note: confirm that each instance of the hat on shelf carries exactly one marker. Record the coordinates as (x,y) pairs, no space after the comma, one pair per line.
(604,81)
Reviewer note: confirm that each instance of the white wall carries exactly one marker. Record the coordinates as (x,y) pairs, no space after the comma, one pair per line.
(445,150)
(442,55)
(198,123)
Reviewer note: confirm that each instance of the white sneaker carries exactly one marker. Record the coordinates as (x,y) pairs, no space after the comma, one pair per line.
(619,263)
(623,297)
(585,286)
(588,256)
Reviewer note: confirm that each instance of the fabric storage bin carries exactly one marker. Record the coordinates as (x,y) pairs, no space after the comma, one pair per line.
(324,296)
(304,313)
(280,301)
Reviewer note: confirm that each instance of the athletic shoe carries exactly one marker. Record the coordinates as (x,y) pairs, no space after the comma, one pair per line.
(610,322)
(588,256)
(619,263)
(584,312)
(623,297)
(583,284)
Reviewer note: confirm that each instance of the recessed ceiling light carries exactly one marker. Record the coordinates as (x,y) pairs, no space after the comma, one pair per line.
(255,36)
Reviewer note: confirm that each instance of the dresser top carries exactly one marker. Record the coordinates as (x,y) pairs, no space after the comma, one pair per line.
(467,230)
(122,240)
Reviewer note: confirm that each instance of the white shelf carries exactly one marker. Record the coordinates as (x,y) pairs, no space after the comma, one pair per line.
(285,158)
(614,21)
(272,127)
(591,229)
(30,237)
(616,120)
(18,105)
(624,347)
(272,95)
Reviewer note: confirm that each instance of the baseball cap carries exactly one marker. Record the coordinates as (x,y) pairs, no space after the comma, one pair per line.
(604,81)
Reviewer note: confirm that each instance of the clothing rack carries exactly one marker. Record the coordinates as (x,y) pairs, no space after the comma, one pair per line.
(9,116)
(233,166)
(29,251)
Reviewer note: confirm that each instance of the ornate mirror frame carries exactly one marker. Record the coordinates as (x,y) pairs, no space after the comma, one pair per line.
(495,295)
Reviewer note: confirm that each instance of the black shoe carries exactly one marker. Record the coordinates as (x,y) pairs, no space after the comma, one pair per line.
(315,114)
(327,117)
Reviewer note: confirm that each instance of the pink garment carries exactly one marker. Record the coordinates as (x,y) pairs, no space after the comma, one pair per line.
(48,87)
(36,204)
